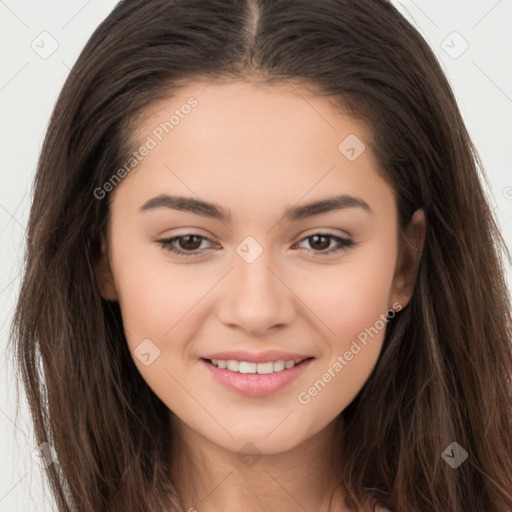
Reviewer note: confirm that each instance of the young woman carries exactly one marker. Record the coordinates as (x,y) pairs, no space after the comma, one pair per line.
(262,272)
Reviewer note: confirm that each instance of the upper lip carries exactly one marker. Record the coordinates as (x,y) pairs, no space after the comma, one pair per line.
(259,357)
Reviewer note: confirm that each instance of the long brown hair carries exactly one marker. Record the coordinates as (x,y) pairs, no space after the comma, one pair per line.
(444,374)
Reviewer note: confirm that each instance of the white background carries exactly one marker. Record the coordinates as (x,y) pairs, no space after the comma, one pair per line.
(29,84)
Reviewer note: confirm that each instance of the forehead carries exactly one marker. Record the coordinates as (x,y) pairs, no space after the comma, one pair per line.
(281,142)
(248,108)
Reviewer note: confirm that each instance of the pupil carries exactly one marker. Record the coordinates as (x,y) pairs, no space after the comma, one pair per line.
(322,246)
(187,242)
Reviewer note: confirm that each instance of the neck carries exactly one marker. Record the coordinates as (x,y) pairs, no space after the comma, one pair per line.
(211,478)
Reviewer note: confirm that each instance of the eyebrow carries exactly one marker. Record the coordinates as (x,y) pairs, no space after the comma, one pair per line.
(294,214)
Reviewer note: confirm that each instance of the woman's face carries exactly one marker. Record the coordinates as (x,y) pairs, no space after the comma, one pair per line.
(264,281)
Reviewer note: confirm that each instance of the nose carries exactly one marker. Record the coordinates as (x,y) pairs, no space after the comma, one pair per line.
(256,299)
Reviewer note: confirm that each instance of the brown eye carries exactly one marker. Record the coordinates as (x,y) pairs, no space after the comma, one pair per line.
(189,242)
(185,245)
(321,243)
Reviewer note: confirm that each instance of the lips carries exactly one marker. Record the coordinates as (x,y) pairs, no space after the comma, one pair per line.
(256,374)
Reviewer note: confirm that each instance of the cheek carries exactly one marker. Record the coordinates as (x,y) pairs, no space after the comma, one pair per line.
(364,298)
(156,298)
(358,321)
(351,297)
(157,304)
(353,304)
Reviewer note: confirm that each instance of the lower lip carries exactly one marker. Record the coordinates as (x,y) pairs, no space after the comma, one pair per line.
(254,384)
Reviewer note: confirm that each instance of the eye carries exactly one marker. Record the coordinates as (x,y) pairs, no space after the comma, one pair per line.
(190,244)
(187,244)
(317,240)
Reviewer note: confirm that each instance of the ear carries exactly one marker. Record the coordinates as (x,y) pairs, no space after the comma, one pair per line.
(104,275)
(410,250)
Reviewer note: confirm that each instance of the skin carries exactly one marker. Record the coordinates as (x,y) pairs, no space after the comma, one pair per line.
(254,151)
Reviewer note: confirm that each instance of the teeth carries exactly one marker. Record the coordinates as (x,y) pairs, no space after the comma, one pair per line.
(233,365)
(265,368)
(279,365)
(259,368)
(244,367)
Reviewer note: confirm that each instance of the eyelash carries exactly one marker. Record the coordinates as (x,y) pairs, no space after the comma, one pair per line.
(167,244)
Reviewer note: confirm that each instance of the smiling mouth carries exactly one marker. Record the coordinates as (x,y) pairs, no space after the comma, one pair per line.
(264,368)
